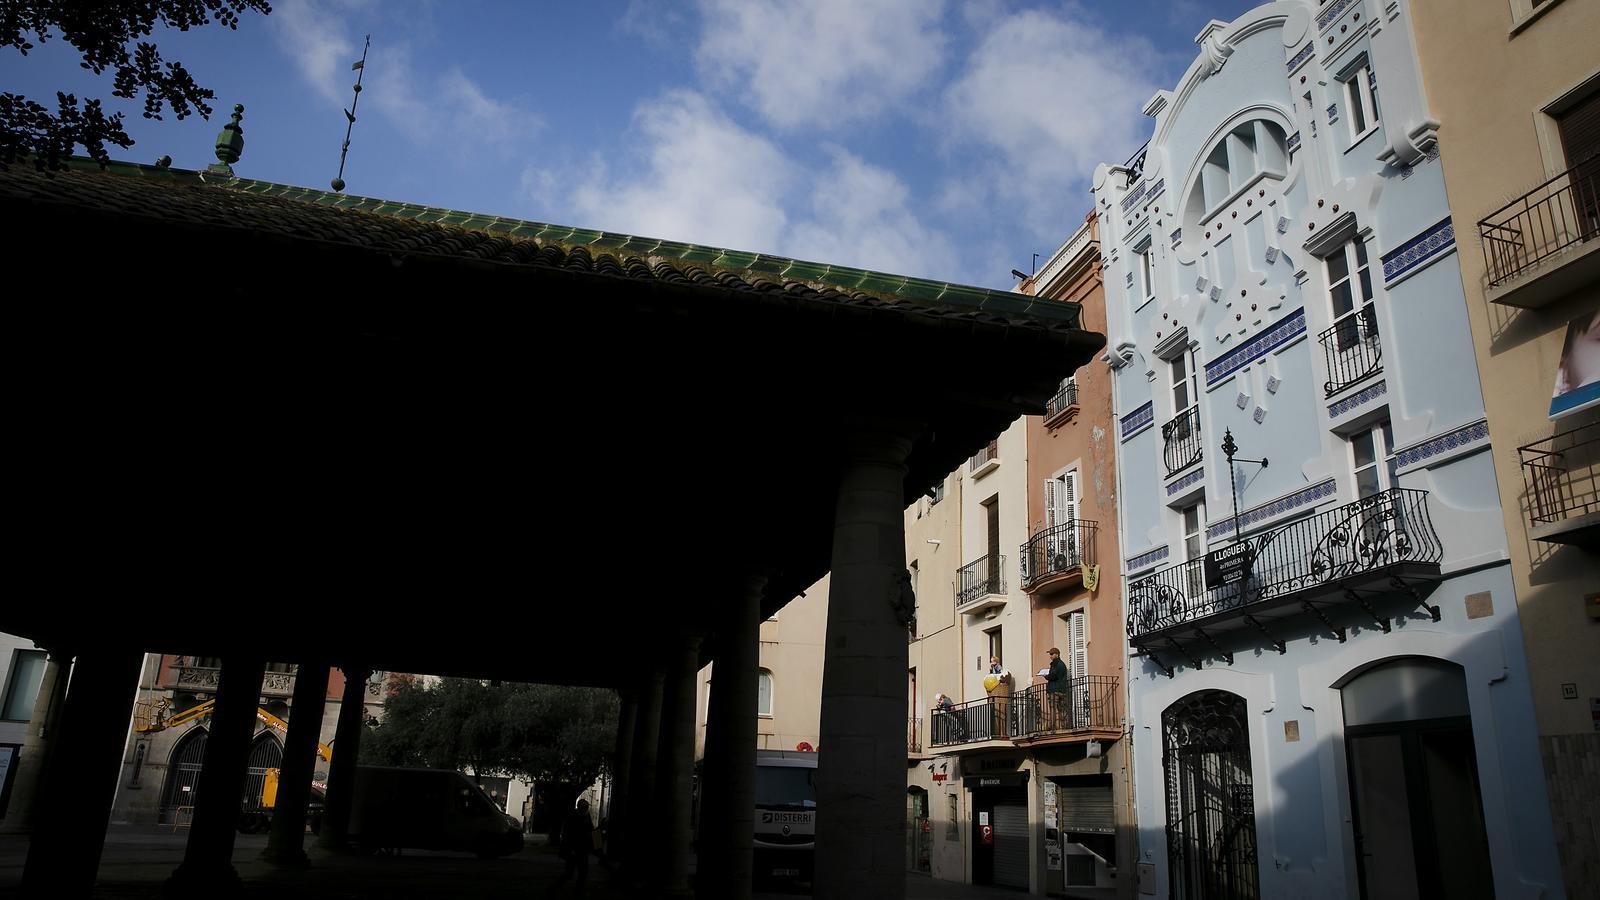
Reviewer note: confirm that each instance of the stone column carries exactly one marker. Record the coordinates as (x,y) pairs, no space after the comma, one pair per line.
(621,776)
(207,866)
(37,743)
(728,778)
(675,767)
(286,846)
(346,746)
(640,831)
(79,781)
(861,761)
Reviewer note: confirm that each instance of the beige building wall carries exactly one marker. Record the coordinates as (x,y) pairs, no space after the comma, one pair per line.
(934,551)
(791,653)
(1006,483)
(1495,72)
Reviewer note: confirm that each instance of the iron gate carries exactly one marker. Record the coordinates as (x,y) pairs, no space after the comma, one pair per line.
(265,753)
(1211,824)
(183,772)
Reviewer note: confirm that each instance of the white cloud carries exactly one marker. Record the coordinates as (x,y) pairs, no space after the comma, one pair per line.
(821,63)
(440,108)
(701,178)
(861,215)
(1055,96)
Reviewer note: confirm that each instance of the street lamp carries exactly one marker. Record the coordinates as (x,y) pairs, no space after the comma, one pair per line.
(1229,448)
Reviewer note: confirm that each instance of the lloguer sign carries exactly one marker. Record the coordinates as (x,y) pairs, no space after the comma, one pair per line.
(1229,565)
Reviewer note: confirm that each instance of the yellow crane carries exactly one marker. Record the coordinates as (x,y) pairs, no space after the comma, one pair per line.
(154,718)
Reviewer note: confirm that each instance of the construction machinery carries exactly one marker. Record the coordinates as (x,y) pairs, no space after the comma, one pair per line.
(154,716)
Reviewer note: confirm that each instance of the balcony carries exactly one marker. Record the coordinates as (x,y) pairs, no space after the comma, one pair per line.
(1541,246)
(1055,557)
(1180,441)
(1060,407)
(982,584)
(1352,350)
(1090,706)
(1378,545)
(984,461)
(913,736)
(1561,478)
(204,679)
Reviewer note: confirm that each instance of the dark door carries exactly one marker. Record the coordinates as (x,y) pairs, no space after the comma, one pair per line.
(1211,823)
(1580,142)
(982,848)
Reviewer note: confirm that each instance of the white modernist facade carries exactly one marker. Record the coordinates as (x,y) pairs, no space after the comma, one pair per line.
(1327,688)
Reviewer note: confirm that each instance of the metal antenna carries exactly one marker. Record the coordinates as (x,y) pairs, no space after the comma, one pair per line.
(360,68)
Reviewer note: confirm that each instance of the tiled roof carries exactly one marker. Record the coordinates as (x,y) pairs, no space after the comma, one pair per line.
(209,200)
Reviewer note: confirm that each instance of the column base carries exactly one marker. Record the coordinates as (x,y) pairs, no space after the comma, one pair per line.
(189,880)
(289,859)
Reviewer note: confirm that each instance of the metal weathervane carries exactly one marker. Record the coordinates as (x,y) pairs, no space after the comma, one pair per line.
(360,68)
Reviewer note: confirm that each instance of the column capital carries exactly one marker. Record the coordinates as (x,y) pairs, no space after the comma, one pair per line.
(878,440)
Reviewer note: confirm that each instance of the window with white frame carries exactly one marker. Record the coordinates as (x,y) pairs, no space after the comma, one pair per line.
(1372,459)
(1061,521)
(1077,645)
(1147,278)
(764,693)
(1350,297)
(1185,384)
(22,684)
(1194,546)
(1361,100)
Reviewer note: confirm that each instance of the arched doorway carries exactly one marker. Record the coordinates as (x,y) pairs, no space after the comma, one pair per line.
(1211,823)
(265,753)
(183,773)
(1417,812)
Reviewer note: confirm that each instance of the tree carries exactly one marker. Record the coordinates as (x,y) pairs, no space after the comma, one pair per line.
(102,32)
(538,732)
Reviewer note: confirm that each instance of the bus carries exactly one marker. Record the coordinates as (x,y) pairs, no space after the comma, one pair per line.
(786,814)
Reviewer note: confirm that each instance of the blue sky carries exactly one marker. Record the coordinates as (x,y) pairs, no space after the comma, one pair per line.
(948,140)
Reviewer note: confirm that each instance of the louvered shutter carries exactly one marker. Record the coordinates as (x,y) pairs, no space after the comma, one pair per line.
(1580,130)
(1079,641)
(1050,503)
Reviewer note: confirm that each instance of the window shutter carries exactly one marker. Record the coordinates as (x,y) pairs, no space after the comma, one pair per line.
(1069,497)
(1049,502)
(1080,657)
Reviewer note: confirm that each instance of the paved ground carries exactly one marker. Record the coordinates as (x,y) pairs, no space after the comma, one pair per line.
(136,862)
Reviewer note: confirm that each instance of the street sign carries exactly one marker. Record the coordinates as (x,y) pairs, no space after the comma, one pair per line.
(1229,565)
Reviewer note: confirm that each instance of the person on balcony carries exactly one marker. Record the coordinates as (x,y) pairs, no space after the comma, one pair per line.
(955,730)
(998,684)
(1057,684)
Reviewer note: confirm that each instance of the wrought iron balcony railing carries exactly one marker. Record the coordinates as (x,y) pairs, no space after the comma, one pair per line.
(1090,703)
(1058,550)
(966,723)
(984,457)
(1318,554)
(1352,349)
(980,578)
(1561,475)
(1180,440)
(1065,398)
(1545,221)
(913,735)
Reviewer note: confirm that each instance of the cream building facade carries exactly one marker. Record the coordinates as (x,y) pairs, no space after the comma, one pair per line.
(1516,87)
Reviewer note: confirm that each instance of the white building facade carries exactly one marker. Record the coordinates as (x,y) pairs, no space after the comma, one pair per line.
(1327,689)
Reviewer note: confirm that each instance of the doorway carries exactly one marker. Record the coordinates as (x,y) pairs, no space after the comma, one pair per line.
(1000,836)
(1416,807)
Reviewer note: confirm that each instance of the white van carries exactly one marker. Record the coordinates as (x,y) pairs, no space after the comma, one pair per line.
(786,814)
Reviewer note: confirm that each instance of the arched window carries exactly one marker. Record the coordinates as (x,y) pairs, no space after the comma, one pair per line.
(764,692)
(265,753)
(1211,822)
(183,772)
(1249,150)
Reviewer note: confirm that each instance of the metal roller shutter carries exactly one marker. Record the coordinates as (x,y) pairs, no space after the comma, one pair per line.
(1011,845)
(1580,129)
(1087,806)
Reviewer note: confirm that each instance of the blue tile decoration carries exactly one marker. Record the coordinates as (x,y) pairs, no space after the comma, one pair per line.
(1332,13)
(1156,189)
(1419,251)
(1133,197)
(1185,481)
(1145,560)
(1138,420)
(1465,436)
(1432,155)
(1275,335)
(1294,142)
(1302,56)
(1359,398)
(1273,509)
(1333,113)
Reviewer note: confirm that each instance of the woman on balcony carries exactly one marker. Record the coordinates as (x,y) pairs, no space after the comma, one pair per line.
(998,684)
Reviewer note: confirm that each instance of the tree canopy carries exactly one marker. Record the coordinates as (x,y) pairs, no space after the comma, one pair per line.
(104,33)
(533,731)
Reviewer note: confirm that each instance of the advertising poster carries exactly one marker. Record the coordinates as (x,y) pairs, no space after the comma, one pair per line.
(1578,375)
